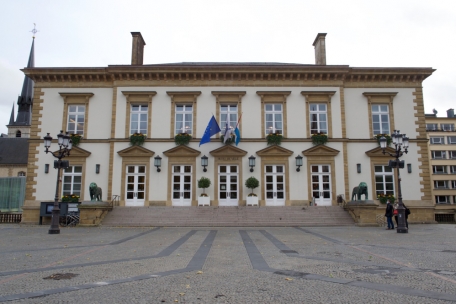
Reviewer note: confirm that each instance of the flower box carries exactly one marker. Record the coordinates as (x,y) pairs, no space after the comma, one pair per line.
(319,139)
(137,139)
(71,198)
(383,198)
(75,139)
(274,139)
(388,139)
(182,139)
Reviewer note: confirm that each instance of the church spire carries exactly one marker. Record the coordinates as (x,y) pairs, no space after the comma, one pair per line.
(25,100)
(12,116)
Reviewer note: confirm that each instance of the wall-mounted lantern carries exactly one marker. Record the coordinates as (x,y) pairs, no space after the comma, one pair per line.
(298,162)
(251,162)
(204,162)
(158,162)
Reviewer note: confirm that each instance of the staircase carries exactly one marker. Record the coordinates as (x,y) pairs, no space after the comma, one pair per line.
(227,217)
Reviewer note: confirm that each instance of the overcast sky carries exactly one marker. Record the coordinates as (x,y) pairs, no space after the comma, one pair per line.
(91,33)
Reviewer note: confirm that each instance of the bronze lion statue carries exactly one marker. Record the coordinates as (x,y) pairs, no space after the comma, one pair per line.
(358,191)
(95,192)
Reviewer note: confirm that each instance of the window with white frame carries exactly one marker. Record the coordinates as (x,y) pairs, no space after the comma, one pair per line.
(380,119)
(452,154)
(451,140)
(453,184)
(228,113)
(72,180)
(437,140)
(439,169)
(273,118)
(384,180)
(439,154)
(442,199)
(441,184)
(21,173)
(138,119)
(432,127)
(453,169)
(318,118)
(447,127)
(76,119)
(184,119)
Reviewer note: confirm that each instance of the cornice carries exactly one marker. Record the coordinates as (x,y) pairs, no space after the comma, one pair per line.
(221,74)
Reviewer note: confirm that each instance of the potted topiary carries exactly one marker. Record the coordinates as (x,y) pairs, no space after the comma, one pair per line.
(252,198)
(204,199)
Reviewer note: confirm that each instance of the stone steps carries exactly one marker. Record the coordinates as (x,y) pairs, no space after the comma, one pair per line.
(227,216)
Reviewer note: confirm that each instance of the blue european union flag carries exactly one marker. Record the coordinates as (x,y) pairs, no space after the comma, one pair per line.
(211,129)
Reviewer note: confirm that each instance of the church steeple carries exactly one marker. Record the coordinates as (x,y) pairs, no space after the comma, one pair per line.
(25,100)
(21,126)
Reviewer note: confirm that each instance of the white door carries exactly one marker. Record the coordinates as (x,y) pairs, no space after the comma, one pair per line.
(136,186)
(182,185)
(321,184)
(275,185)
(228,185)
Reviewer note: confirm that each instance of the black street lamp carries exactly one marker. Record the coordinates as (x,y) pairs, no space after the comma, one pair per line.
(400,141)
(65,146)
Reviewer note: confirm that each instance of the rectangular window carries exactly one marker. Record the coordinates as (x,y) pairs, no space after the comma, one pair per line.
(437,140)
(138,119)
(380,119)
(442,199)
(441,184)
(318,118)
(453,169)
(384,180)
(451,140)
(273,118)
(432,127)
(76,117)
(452,154)
(440,154)
(184,119)
(439,169)
(447,127)
(453,184)
(72,180)
(230,113)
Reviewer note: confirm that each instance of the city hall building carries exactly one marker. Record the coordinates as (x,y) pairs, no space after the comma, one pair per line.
(346,106)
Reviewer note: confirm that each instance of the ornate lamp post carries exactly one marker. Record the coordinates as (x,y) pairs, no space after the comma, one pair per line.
(65,146)
(400,141)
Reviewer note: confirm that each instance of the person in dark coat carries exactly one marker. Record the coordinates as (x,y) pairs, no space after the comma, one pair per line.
(389,215)
(407,212)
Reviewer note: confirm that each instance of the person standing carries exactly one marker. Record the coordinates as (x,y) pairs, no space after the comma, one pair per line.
(389,215)
(407,212)
(395,212)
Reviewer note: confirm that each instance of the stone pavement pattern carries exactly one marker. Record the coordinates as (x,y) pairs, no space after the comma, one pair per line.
(228,265)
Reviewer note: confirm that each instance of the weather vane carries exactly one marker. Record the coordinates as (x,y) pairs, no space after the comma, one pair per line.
(34,31)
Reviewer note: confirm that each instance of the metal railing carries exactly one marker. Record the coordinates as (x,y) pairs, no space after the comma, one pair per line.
(10,217)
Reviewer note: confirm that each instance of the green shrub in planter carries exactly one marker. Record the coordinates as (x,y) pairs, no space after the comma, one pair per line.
(182,139)
(75,139)
(252,183)
(319,138)
(274,139)
(137,139)
(204,183)
(388,139)
(72,198)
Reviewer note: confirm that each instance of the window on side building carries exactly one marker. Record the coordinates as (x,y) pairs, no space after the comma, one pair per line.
(439,154)
(432,127)
(442,199)
(384,180)
(441,184)
(451,140)
(437,140)
(439,169)
(380,119)
(447,127)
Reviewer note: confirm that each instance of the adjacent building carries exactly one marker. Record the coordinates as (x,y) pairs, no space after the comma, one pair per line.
(299,102)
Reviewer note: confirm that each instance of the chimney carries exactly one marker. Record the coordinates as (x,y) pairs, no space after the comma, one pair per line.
(137,50)
(320,49)
(450,113)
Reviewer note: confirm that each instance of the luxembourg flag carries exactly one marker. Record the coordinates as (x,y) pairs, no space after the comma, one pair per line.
(237,132)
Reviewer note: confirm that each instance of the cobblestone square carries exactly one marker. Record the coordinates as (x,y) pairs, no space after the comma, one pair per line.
(228,265)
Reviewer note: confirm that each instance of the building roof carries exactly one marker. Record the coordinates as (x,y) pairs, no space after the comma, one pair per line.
(13,151)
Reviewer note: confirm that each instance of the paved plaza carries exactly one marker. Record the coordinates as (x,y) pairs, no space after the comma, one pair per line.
(228,265)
